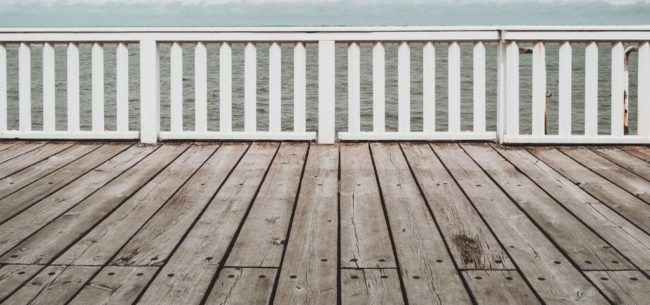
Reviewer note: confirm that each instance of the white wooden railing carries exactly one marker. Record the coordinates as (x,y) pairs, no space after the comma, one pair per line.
(424,40)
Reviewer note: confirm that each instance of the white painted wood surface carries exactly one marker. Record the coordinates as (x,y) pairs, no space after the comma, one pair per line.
(3,88)
(511,110)
(453,80)
(299,87)
(354,88)
(176,86)
(73,86)
(539,90)
(591,89)
(429,88)
(201,87)
(48,87)
(326,92)
(404,88)
(275,88)
(97,87)
(225,89)
(378,88)
(479,87)
(644,90)
(24,87)
(250,87)
(564,84)
(122,87)
(618,88)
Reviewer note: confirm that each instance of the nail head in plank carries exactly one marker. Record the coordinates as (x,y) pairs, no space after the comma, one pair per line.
(14,276)
(371,286)
(239,286)
(53,285)
(114,285)
(499,287)
(622,287)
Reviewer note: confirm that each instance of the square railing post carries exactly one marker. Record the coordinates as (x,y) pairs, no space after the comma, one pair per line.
(149,91)
(326,92)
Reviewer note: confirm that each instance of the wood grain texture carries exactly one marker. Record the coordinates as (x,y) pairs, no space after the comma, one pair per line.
(309,270)
(155,241)
(41,188)
(471,243)
(427,270)
(641,152)
(630,207)
(622,287)
(623,235)
(626,160)
(51,240)
(100,244)
(194,263)
(549,272)
(578,241)
(261,241)
(243,286)
(115,286)
(40,214)
(365,242)
(14,276)
(30,174)
(18,149)
(53,285)
(499,287)
(370,287)
(612,172)
(34,156)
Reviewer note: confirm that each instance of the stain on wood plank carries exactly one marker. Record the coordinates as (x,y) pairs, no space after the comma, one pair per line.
(472,244)
(427,270)
(578,241)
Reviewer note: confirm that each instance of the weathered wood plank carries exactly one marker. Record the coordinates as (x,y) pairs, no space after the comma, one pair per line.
(622,287)
(41,188)
(40,214)
(51,240)
(578,241)
(53,285)
(309,271)
(499,287)
(6,145)
(611,171)
(100,244)
(546,268)
(155,241)
(365,242)
(624,236)
(18,149)
(30,174)
(194,263)
(630,207)
(243,286)
(641,152)
(34,156)
(470,241)
(370,287)
(261,240)
(14,276)
(625,160)
(427,270)
(115,286)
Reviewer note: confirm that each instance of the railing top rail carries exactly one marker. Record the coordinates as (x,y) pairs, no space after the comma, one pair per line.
(323,29)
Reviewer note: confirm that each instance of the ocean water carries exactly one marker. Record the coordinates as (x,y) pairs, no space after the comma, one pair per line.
(64,13)
(312,86)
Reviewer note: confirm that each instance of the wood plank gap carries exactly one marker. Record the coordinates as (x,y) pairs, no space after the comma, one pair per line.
(625,160)
(19,149)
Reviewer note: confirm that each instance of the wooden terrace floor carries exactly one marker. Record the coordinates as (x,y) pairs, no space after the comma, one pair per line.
(293,223)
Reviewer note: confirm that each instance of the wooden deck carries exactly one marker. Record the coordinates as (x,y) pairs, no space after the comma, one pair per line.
(294,223)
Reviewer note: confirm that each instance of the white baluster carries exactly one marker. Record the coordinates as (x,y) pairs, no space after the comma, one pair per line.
(404,88)
(250,87)
(479,87)
(591,89)
(378,88)
(73,87)
(299,87)
(25,88)
(49,112)
(326,91)
(454,87)
(429,88)
(644,90)
(354,88)
(539,90)
(512,89)
(122,87)
(176,86)
(275,88)
(225,88)
(149,91)
(201,88)
(618,89)
(564,108)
